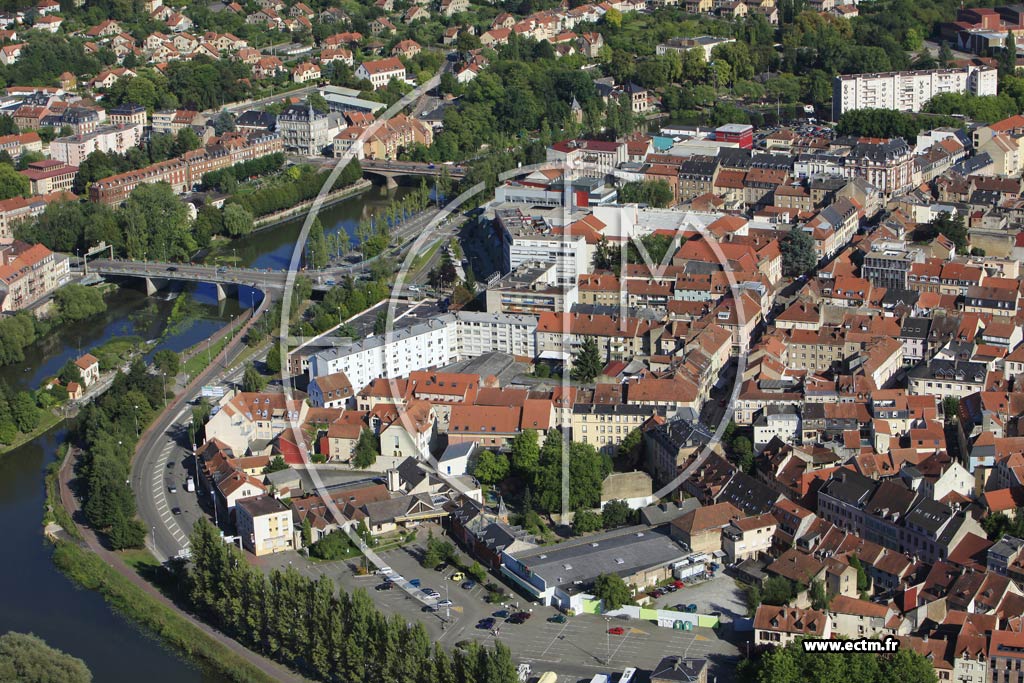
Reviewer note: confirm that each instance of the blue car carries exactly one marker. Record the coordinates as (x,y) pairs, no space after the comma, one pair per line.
(486,624)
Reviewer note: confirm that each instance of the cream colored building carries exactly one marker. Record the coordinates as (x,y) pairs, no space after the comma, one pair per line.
(264,525)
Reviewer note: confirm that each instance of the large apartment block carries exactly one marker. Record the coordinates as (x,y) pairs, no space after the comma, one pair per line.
(908,90)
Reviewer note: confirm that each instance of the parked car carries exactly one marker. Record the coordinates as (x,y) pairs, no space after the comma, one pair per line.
(616,630)
(430,592)
(430,608)
(172,489)
(458,576)
(175,511)
(415,583)
(444,603)
(558,619)
(679,584)
(692,608)
(519,618)
(386,586)
(502,614)
(468,584)
(486,624)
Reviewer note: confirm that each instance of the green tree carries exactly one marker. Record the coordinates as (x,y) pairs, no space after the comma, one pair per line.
(252,380)
(76,302)
(778,590)
(616,513)
(587,363)
(238,221)
(28,659)
(274,359)
(25,412)
(612,590)
(12,183)
(167,362)
(950,407)
(797,252)
(277,464)
(820,598)
(525,452)
(477,572)
(317,101)
(863,583)
(126,533)
(70,372)
(744,452)
(586,521)
(952,227)
(367,449)
(490,467)
(655,193)
(631,445)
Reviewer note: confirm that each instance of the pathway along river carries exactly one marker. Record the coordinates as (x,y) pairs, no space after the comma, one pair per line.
(37,598)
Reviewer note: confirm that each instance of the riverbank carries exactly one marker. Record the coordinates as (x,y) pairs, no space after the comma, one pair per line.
(47,421)
(332,197)
(90,565)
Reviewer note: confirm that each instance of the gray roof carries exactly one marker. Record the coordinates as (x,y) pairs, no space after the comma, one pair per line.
(748,494)
(623,552)
(663,513)
(681,669)
(261,505)
(850,487)
(915,328)
(457,450)
(929,515)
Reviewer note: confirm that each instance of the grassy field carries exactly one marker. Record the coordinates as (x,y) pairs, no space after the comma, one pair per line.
(199,362)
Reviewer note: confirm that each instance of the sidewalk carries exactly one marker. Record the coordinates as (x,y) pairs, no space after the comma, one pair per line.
(113,560)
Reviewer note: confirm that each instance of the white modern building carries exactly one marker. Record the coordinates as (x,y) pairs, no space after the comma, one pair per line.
(434,343)
(908,90)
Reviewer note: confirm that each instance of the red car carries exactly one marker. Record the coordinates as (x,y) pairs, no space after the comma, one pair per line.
(616,630)
(679,584)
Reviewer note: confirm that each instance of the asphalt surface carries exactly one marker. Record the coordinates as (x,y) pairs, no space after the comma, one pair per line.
(578,649)
(163,459)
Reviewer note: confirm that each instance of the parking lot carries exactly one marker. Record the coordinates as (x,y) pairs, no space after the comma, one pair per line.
(720,594)
(578,648)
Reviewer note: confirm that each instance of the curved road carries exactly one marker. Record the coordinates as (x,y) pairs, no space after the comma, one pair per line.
(164,441)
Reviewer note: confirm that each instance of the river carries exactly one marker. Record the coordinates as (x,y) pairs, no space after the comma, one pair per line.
(37,597)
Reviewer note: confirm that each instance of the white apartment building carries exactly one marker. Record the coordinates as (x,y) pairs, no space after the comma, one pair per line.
(431,344)
(480,333)
(908,90)
(73,149)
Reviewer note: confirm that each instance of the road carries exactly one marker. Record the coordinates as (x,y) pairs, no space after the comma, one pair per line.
(260,103)
(161,459)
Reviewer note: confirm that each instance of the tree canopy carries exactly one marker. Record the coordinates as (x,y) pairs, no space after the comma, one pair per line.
(27,659)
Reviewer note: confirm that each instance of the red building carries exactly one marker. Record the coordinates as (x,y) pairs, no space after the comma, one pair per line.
(740,133)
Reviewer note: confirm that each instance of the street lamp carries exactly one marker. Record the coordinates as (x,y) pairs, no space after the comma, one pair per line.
(608,638)
(136,422)
(163,376)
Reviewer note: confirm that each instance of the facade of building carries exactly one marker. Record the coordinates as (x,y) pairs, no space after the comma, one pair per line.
(264,525)
(908,90)
(304,130)
(28,273)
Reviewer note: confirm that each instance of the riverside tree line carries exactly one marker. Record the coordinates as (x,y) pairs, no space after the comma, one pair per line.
(325,635)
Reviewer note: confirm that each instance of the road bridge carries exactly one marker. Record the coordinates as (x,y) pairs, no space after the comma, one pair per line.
(390,170)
